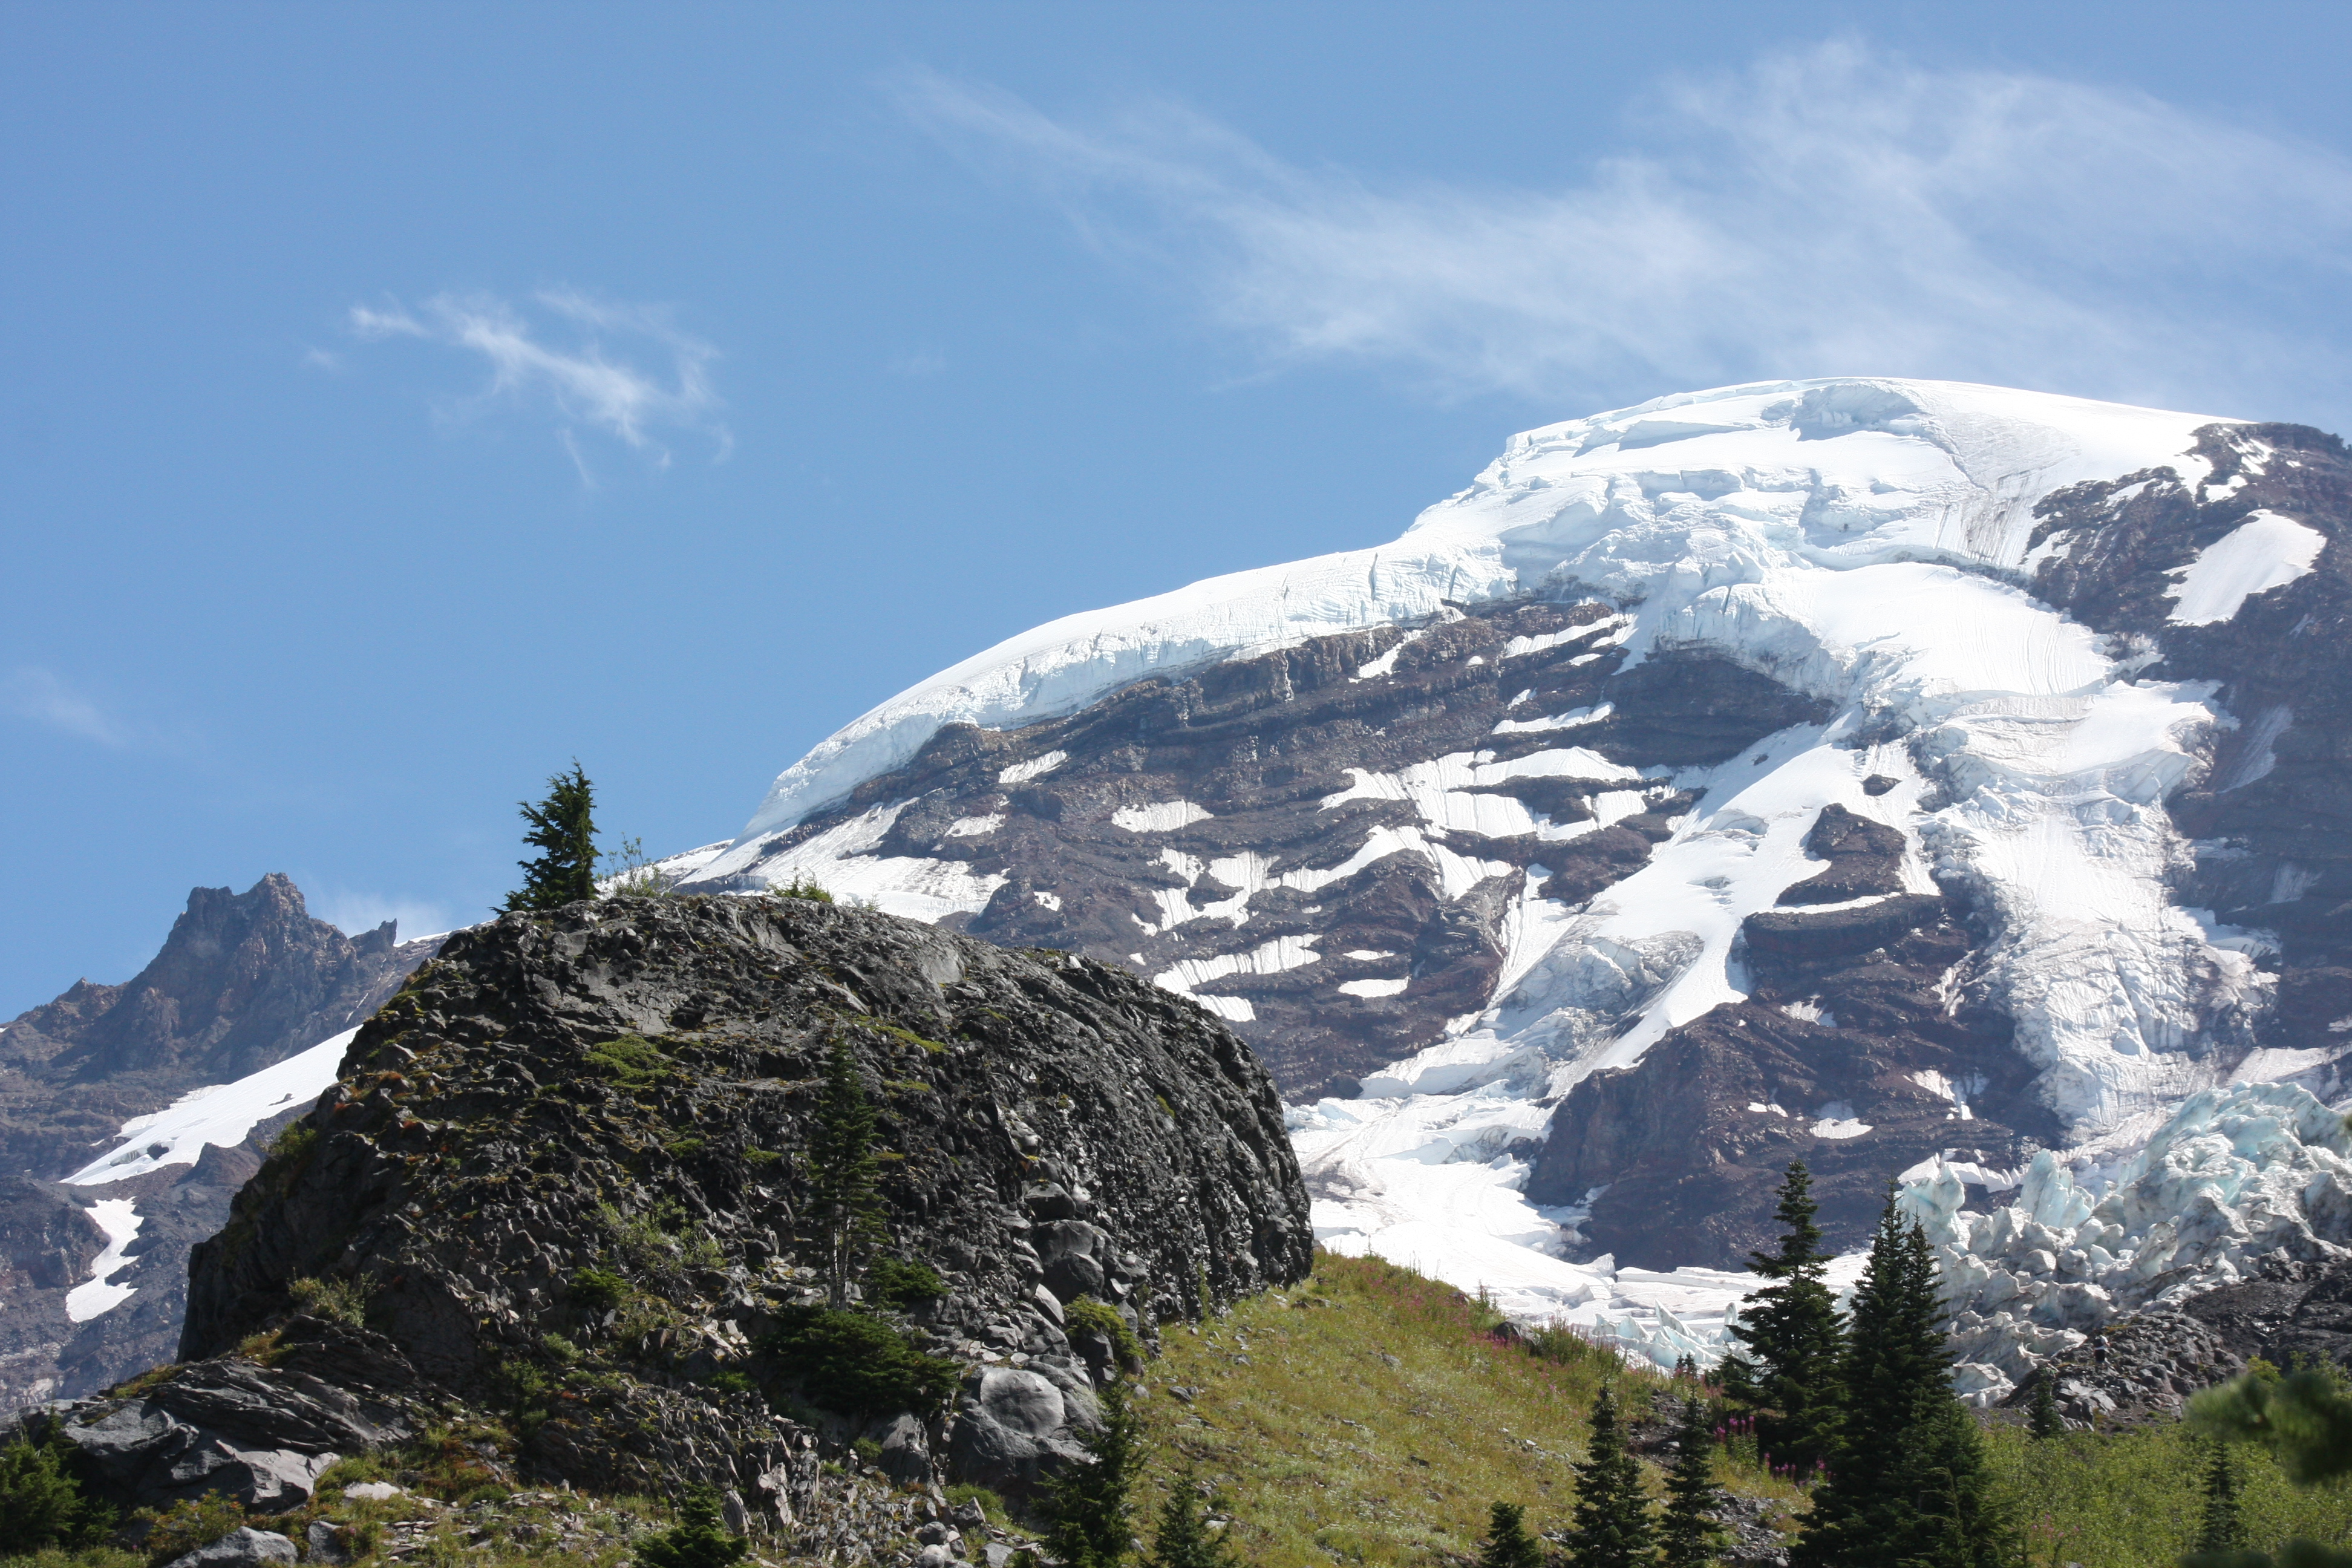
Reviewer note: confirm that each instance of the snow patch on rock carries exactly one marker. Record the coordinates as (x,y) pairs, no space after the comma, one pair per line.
(2264,551)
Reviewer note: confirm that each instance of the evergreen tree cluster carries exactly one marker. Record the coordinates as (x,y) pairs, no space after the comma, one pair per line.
(1863,1409)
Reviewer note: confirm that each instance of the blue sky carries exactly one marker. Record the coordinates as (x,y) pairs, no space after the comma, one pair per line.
(402,400)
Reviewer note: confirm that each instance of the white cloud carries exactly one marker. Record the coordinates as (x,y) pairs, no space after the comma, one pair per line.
(40,695)
(1829,211)
(352,913)
(584,382)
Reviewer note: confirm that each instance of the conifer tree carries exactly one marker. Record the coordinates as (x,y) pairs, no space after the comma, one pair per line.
(563,829)
(1093,1515)
(1688,1536)
(2305,1420)
(2046,1421)
(2222,1527)
(845,1204)
(1507,1543)
(1184,1539)
(1612,1527)
(1787,1377)
(1907,1481)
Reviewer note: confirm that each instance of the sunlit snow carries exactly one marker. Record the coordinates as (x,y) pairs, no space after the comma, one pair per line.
(221,1115)
(121,1220)
(1861,539)
(2264,551)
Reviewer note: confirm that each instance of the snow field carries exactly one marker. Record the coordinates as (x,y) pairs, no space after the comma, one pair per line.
(120,1219)
(222,1115)
(2264,551)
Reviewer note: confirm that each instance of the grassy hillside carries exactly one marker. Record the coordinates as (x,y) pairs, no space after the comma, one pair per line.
(1370,1415)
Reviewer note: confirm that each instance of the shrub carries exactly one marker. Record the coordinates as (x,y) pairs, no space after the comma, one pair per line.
(1087,1314)
(992,1506)
(761,1157)
(630,1060)
(41,1502)
(697,1540)
(686,1148)
(188,1524)
(627,874)
(899,1283)
(867,1451)
(598,1290)
(339,1300)
(560,1351)
(852,1363)
(800,888)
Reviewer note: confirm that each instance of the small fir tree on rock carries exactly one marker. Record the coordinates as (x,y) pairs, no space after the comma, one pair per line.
(1787,1376)
(1509,1544)
(844,1202)
(563,829)
(1612,1527)
(1090,1504)
(41,1501)
(1184,1539)
(1688,1535)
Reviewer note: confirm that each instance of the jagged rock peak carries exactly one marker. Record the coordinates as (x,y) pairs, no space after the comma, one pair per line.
(243,979)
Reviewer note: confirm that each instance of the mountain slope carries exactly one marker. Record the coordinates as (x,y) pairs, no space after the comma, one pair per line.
(1782,770)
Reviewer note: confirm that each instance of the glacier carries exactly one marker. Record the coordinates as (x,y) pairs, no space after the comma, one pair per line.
(1864,541)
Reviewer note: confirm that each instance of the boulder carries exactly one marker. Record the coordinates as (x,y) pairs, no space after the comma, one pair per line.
(240,1548)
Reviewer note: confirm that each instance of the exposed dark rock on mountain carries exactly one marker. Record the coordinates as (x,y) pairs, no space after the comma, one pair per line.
(1263,745)
(2272,822)
(244,981)
(627,1087)
(1274,750)
(1846,1009)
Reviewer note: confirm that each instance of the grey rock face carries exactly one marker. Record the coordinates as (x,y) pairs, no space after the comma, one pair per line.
(2267,822)
(1005,1433)
(240,1548)
(1265,747)
(261,1435)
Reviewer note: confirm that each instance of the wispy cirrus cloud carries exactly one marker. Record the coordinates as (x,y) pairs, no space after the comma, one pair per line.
(1826,211)
(352,911)
(593,365)
(43,696)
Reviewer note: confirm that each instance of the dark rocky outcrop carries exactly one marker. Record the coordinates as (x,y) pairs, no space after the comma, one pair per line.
(2144,1366)
(244,981)
(1055,1128)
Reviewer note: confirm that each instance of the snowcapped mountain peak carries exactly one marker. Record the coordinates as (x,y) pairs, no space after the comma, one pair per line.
(1703,489)
(1839,472)
(1875,772)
